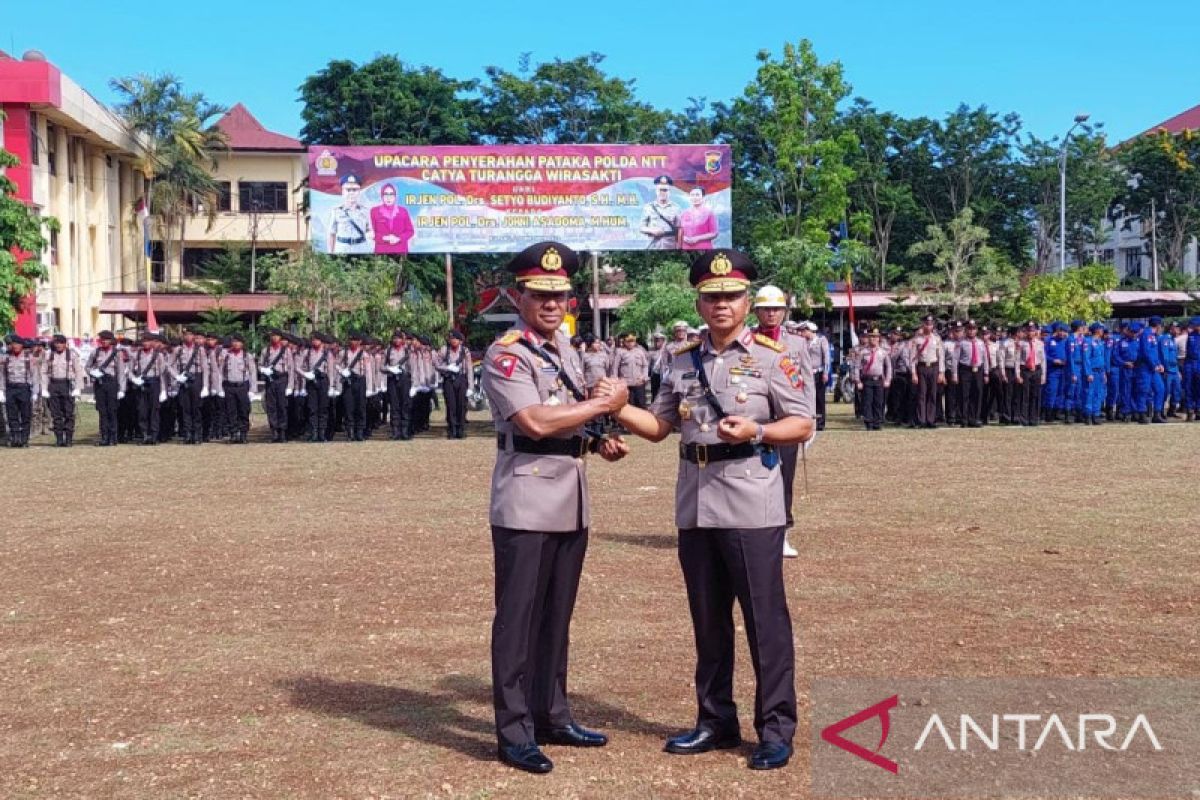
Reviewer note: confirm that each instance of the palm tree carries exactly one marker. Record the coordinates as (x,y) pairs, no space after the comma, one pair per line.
(180,143)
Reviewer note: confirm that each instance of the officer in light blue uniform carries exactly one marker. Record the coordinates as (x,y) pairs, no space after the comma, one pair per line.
(1075,388)
(1191,371)
(1095,374)
(1168,350)
(1057,375)
(1126,354)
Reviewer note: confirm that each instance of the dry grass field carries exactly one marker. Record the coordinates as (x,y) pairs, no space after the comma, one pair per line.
(312,621)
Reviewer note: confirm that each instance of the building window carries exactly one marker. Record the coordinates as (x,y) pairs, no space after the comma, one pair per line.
(158,262)
(224,202)
(35,152)
(53,247)
(51,149)
(71,146)
(1108,255)
(264,197)
(1133,262)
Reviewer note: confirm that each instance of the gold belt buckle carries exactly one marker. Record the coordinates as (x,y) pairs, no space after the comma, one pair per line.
(702,455)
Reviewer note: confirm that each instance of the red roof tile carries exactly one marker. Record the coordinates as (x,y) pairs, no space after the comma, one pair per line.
(1188,120)
(247,133)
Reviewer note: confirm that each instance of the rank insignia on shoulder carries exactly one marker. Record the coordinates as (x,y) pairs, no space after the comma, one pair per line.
(505,364)
(767,341)
(512,337)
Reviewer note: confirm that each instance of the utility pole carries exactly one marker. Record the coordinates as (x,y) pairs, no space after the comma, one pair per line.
(1062,193)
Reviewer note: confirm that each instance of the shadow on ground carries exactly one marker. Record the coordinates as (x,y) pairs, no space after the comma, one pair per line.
(434,716)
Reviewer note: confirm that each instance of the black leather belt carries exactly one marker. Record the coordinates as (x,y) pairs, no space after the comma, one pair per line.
(238,385)
(706,453)
(576,446)
(350,241)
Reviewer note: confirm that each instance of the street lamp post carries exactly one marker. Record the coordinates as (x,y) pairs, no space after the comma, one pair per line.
(1062,193)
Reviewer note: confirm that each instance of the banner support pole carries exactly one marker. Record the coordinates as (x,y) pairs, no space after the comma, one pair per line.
(450,289)
(595,294)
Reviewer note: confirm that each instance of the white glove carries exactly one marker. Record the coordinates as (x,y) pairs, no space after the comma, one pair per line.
(412,392)
(136,380)
(76,394)
(221,394)
(266,371)
(35,395)
(95,373)
(120,395)
(452,368)
(345,373)
(332,393)
(302,393)
(309,376)
(394,370)
(1,397)
(287,393)
(162,396)
(203,393)
(181,379)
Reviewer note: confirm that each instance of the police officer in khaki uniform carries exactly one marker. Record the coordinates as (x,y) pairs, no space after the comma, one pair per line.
(872,372)
(62,380)
(539,508)
(20,386)
(147,371)
(632,365)
(453,363)
(235,374)
(1031,376)
(107,369)
(188,367)
(397,372)
(735,396)
(358,375)
(275,367)
(928,372)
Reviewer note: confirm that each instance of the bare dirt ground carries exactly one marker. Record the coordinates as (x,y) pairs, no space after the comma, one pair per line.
(312,622)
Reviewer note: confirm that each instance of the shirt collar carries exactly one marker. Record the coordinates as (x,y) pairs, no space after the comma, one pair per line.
(744,340)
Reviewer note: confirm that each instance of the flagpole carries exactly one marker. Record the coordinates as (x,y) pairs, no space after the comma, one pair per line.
(146,224)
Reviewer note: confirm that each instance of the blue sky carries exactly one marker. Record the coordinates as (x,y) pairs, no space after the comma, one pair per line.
(1130,65)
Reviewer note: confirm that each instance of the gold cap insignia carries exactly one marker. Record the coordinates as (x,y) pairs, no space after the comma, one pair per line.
(551,260)
(721,265)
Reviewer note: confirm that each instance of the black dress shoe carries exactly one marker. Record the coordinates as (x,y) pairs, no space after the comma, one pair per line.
(700,740)
(525,757)
(770,755)
(571,735)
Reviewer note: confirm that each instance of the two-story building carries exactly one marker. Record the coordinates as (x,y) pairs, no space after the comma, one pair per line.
(77,164)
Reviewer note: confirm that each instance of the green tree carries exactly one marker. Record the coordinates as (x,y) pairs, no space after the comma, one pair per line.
(1093,183)
(792,155)
(386,102)
(1074,294)
(965,269)
(566,102)
(221,321)
(180,142)
(21,245)
(1164,173)
(659,300)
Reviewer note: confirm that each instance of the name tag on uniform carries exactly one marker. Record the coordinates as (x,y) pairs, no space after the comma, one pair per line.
(751,373)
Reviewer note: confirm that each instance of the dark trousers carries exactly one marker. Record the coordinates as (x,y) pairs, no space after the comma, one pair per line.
(872,407)
(537,579)
(422,408)
(1000,394)
(970,384)
(18,404)
(275,402)
(1027,396)
(127,413)
(637,395)
(354,406)
(105,391)
(62,406)
(400,404)
(720,565)
(927,394)
(237,407)
(454,389)
(819,383)
(899,398)
(148,408)
(191,418)
(788,456)
(655,382)
(318,408)
(952,394)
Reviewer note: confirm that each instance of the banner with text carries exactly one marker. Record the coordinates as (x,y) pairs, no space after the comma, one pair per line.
(480,199)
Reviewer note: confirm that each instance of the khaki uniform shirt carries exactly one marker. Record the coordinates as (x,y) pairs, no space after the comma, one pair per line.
(460,358)
(631,365)
(973,353)
(901,356)
(928,351)
(19,370)
(109,363)
(356,362)
(595,367)
(530,492)
(235,368)
(755,378)
(64,366)
(191,361)
(146,364)
(316,362)
(872,363)
(1006,353)
(276,361)
(1038,347)
(950,360)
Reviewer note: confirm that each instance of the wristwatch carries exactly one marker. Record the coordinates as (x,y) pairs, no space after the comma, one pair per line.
(758,435)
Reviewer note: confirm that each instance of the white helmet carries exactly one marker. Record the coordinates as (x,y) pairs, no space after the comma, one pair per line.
(770,297)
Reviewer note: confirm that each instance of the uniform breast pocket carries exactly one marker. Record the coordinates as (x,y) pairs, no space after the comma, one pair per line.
(541,468)
(750,469)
